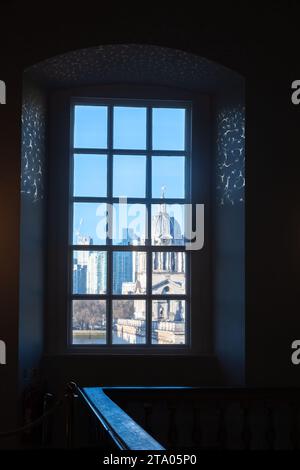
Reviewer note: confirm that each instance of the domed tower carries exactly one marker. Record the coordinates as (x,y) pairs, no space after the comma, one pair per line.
(165,228)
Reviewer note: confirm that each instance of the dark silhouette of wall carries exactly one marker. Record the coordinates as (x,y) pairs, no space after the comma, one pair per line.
(229,234)
(32,232)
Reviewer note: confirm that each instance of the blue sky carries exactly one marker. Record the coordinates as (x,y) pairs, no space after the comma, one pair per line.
(129,171)
(90,127)
(90,219)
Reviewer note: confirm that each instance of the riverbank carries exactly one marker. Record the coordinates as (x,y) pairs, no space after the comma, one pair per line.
(90,333)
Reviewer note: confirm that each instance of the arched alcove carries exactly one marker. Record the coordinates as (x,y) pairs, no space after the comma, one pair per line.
(138,65)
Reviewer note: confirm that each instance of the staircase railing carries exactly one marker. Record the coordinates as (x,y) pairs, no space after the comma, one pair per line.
(114,427)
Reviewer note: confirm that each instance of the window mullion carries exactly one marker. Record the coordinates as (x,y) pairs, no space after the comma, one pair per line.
(70,227)
(110,220)
(148,241)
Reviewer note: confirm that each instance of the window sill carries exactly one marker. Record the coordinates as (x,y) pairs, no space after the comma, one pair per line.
(142,352)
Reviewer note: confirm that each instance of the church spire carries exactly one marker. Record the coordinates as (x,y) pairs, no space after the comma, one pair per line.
(163,208)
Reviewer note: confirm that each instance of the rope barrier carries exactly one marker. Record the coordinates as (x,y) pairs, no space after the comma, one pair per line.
(33,423)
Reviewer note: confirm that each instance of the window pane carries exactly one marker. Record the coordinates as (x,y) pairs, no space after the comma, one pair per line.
(168,272)
(168,177)
(168,322)
(89,321)
(129,224)
(90,127)
(167,224)
(129,321)
(129,128)
(129,272)
(90,175)
(129,176)
(168,129)
(89,223)
(89,272)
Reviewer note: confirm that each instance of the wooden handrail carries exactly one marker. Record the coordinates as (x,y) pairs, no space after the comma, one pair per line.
(122,429)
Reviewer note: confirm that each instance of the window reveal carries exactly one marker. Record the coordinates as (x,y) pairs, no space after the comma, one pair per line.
(129,272)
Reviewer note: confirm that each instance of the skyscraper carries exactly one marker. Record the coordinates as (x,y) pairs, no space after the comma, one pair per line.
(89,269)
(96,272)
(79,278)
(123,263)
(122,270)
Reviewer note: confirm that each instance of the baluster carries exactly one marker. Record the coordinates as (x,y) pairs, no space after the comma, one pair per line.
(70,396)
(89,430)
(222,427)
(270,432)
(246,431)
(97,433)
(172,433)
(295,426)
(47,423)
(196,433)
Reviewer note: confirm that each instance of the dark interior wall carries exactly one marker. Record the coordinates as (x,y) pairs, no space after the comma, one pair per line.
(32,231)
(10,143)
(272,226)
(268,61)
(228,252)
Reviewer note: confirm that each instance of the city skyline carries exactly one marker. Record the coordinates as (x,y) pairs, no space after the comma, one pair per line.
(90,267)
(129,270)
(92,219)
(121,170)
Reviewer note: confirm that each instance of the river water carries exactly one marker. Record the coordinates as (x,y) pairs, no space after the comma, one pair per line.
(85,339)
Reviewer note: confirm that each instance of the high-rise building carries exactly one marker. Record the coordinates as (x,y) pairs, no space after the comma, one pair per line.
(89,269)
(79,278)
(80,264)
(122,270)
(96,272)
(123,263)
